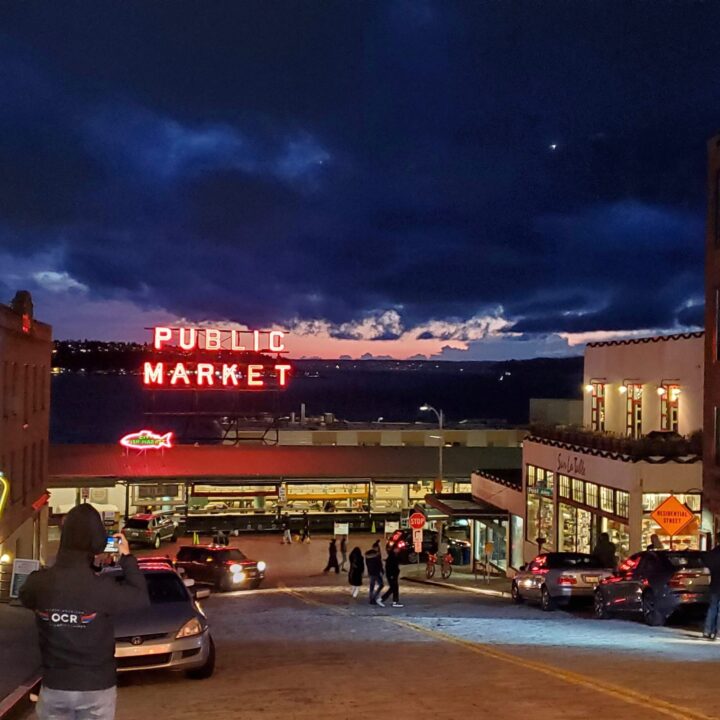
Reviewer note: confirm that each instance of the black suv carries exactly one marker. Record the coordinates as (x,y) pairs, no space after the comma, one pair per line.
(223,567)
(149,529)
(402,542)
(655,584)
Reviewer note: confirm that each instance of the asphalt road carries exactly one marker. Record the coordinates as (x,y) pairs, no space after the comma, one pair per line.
(302,648)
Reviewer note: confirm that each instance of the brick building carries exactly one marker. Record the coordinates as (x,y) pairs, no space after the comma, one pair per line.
(711,416)
(25,355)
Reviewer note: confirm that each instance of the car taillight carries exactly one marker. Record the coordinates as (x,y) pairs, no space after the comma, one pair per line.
(567,580)
(681,581)
(401,544)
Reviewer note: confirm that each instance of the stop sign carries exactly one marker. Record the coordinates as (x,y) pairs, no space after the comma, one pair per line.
(417,521)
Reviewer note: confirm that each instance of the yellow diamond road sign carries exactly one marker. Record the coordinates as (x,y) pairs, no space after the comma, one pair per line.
(672,516)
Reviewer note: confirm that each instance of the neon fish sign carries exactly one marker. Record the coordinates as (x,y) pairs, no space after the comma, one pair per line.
(146,440)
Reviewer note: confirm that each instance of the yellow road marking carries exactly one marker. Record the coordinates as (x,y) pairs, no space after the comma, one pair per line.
(615,691)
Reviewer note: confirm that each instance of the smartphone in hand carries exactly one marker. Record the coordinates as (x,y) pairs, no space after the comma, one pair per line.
(112,544)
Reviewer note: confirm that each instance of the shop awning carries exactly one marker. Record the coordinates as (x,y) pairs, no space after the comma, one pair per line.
(463,505)
(70,465)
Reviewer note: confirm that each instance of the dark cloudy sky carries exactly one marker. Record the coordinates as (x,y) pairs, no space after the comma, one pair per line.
(472,179)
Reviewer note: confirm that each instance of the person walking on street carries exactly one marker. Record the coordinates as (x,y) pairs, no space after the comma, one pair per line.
(332,562)
(305,528)
(374,565)
(74,609)
(712,562)
(287,536)
(357,568)
(392,572)
(604,551)
(343,552)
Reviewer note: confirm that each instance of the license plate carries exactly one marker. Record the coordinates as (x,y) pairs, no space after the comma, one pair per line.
(591,578)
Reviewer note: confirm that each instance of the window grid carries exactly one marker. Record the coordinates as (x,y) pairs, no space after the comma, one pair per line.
(597,406)
(633,410)
(669,407)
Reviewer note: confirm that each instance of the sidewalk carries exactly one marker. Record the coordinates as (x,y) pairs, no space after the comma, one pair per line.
(460,580)
(19,653)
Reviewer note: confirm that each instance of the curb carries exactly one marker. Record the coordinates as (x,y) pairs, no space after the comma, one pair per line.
(11,701)
(478,591)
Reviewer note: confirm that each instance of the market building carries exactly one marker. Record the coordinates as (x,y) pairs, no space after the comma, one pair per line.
(25,355)
(641,442)
(711,444)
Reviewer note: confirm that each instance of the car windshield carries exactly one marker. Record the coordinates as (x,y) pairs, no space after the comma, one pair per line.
(683,561)
(187,553)
(137,524)
(233,554)
(165,588)
(569,561)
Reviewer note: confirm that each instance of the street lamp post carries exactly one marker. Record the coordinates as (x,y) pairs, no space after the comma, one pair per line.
(438,486)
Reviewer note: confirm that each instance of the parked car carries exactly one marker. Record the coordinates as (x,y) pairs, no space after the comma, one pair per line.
(172,634)
(222,567)
(555,578)
(655,584)
(149,529)
(402,539)
(402,542)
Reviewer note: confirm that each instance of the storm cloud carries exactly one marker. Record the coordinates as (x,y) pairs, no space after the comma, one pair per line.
(376,169)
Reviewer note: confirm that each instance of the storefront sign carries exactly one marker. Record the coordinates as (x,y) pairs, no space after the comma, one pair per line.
(146,440)
(20,572)
(203,372)
(341,528)
(391,527)
(672,516)
(570,464)
(4,492)
(540,490)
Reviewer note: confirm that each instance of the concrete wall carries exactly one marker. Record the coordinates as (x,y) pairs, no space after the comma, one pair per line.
(497,494)
(553,411)
(649,363)
(392,437)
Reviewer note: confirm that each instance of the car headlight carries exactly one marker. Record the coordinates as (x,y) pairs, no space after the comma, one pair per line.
(235,568)
(261,566)
(238,577)
(190,628)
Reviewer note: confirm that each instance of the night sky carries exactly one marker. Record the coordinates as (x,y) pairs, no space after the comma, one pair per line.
(464,180)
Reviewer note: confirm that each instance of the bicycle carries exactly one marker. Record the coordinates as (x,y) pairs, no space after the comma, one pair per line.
(445,565)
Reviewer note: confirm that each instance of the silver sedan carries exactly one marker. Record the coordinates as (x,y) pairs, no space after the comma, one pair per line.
(554,578)
(172,633)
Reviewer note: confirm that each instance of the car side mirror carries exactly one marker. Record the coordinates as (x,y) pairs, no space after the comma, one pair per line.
(189,582)
(201,593)
(523,568)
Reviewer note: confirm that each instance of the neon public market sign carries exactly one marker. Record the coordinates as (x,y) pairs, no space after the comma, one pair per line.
(204,371)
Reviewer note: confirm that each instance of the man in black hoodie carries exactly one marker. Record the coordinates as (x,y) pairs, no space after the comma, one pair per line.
(74,608)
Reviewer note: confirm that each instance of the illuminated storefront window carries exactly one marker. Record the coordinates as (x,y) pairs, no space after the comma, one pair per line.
(578,490)
(540,520)
(577,529)
(607,499)
(619,534)
(622,501)
(564,486)
(591,494)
